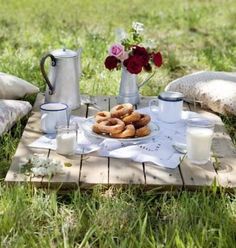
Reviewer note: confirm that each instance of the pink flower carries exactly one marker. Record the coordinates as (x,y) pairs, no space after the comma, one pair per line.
(116,50)
(123,56)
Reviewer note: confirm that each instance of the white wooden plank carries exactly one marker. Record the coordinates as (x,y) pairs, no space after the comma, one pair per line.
(94,170)
(157,176)
(123,171)
(222,145)
(31,133)
(70,177)
(71,171)
(195,176)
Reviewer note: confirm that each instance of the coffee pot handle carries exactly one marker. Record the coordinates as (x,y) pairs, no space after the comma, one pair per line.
(146,80)
(42,68)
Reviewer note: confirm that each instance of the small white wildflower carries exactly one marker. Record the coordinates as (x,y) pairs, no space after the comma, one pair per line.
(51,171)
(43,166)
(150,44)
(40,171)
(138,27)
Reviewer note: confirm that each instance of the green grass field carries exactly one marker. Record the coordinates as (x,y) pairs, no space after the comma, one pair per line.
(192,36)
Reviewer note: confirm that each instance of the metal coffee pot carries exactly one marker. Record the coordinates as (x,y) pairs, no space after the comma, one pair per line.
(63,77)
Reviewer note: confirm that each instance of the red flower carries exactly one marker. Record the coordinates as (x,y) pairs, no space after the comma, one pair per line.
(142,52)
(111,62)
(157,59)
(134,64)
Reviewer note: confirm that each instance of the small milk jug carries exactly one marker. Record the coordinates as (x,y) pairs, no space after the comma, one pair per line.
(63,77)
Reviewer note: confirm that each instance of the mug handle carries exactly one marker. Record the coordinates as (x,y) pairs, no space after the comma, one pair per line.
(43,122)
(151,103)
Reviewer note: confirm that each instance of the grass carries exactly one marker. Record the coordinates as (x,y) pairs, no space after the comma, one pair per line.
(193,36)
(116,218)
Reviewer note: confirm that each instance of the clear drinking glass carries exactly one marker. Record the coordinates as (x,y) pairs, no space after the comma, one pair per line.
(66,140)
(199,139)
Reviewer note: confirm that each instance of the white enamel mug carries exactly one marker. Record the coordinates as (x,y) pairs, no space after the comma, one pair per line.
(168,106)
(53,115)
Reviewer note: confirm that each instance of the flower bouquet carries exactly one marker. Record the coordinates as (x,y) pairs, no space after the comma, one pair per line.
(132,57)
(129,52)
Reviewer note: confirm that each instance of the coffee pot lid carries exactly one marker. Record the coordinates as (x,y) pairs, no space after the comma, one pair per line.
(200,122)
(171,96)
(64,53)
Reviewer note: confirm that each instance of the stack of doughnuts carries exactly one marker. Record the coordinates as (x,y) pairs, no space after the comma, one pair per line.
(122,122)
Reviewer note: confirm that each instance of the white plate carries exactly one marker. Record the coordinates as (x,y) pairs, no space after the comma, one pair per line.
(88,123)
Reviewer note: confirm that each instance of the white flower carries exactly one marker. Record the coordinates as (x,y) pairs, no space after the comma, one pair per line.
(150,44)
(120,34)
(39,171)
(138,27)
(43,166)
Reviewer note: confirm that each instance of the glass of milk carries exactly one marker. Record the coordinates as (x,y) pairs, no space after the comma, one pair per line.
(199,138)
(66,140)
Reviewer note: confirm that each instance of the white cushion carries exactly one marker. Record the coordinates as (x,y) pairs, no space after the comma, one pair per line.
(11,111)
(214,90)
(12,87)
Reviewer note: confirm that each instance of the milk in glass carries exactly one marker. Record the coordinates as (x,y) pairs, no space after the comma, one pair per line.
(199,139)
(66,140)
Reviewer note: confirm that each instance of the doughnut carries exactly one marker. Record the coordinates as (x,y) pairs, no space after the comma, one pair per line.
(111,126)
(143,131)
(134,116)
(102,116)
(128,132)
(96,128)
(121,110)
(144,120)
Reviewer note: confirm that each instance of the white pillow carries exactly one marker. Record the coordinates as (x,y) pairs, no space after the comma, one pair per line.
(11,111)
(214,90)
(12,87)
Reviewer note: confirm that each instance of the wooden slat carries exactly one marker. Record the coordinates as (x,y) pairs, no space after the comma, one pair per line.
(94,170)
(222,145)
(30,134)
(195,176)
(70,176)
(164,178)
(123,171)
(157,176)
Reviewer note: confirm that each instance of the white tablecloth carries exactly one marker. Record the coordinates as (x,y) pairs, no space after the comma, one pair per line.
(158,149)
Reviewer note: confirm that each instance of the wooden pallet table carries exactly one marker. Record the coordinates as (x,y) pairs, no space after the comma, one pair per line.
(89,170)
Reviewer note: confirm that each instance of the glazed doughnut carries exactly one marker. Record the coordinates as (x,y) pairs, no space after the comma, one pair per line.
(111,126)
(128,132)
(143,131)
(121,110)
(134,116)
(144,120)
(102,116)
